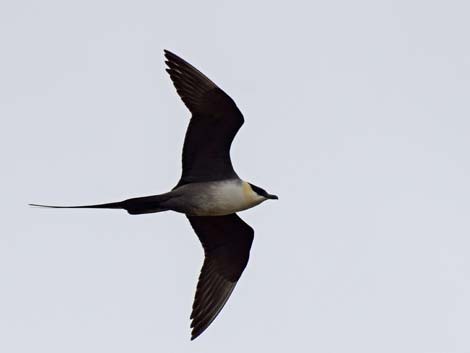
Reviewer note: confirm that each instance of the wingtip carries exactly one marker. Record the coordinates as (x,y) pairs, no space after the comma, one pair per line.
(195,334)
(168,54)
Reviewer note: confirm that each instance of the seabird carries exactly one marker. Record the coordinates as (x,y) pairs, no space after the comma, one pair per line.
(209,192)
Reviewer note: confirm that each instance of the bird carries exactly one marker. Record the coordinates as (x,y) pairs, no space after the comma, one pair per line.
(209,192)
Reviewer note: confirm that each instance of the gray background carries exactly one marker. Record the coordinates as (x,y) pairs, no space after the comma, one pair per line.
(357,115)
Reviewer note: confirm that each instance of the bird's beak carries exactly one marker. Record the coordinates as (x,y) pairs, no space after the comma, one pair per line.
(272,197)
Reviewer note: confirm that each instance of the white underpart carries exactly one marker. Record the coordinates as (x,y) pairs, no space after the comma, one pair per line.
(219,198)
(232,197)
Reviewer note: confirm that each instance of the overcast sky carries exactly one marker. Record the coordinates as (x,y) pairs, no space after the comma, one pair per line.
(357,116)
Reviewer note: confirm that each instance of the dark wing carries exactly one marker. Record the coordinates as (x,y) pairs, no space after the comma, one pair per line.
(214,123)
(227,241)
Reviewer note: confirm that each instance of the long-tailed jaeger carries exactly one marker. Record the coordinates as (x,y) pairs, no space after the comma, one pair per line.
(209,192)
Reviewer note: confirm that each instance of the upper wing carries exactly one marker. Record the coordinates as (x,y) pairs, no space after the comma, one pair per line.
(227,241)
(214,123)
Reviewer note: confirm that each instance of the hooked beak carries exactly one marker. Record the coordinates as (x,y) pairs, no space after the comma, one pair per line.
(272,197)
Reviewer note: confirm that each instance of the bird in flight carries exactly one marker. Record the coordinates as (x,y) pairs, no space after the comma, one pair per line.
(209,192)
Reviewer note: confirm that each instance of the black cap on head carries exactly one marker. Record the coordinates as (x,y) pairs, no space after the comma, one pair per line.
(263,192)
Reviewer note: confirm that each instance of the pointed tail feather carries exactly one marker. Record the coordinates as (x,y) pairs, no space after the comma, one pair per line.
(138,205)
(115,205)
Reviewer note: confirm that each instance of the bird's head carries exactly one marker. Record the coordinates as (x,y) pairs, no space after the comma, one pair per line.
(263,193)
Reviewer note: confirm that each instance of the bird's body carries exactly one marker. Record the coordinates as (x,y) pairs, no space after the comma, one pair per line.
(214,198)
(209,192)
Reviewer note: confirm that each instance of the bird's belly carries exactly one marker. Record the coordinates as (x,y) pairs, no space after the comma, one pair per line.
(218,199)
(220,206)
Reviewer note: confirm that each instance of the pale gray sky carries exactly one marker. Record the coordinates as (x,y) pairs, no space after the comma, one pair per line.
(357,116)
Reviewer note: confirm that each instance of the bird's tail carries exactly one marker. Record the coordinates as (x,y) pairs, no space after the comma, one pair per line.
(138,205)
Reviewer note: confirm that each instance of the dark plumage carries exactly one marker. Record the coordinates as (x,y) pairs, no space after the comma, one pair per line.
(214,123)
(226,241)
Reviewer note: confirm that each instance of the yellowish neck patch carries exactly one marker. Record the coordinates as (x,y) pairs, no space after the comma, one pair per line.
(248,192)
